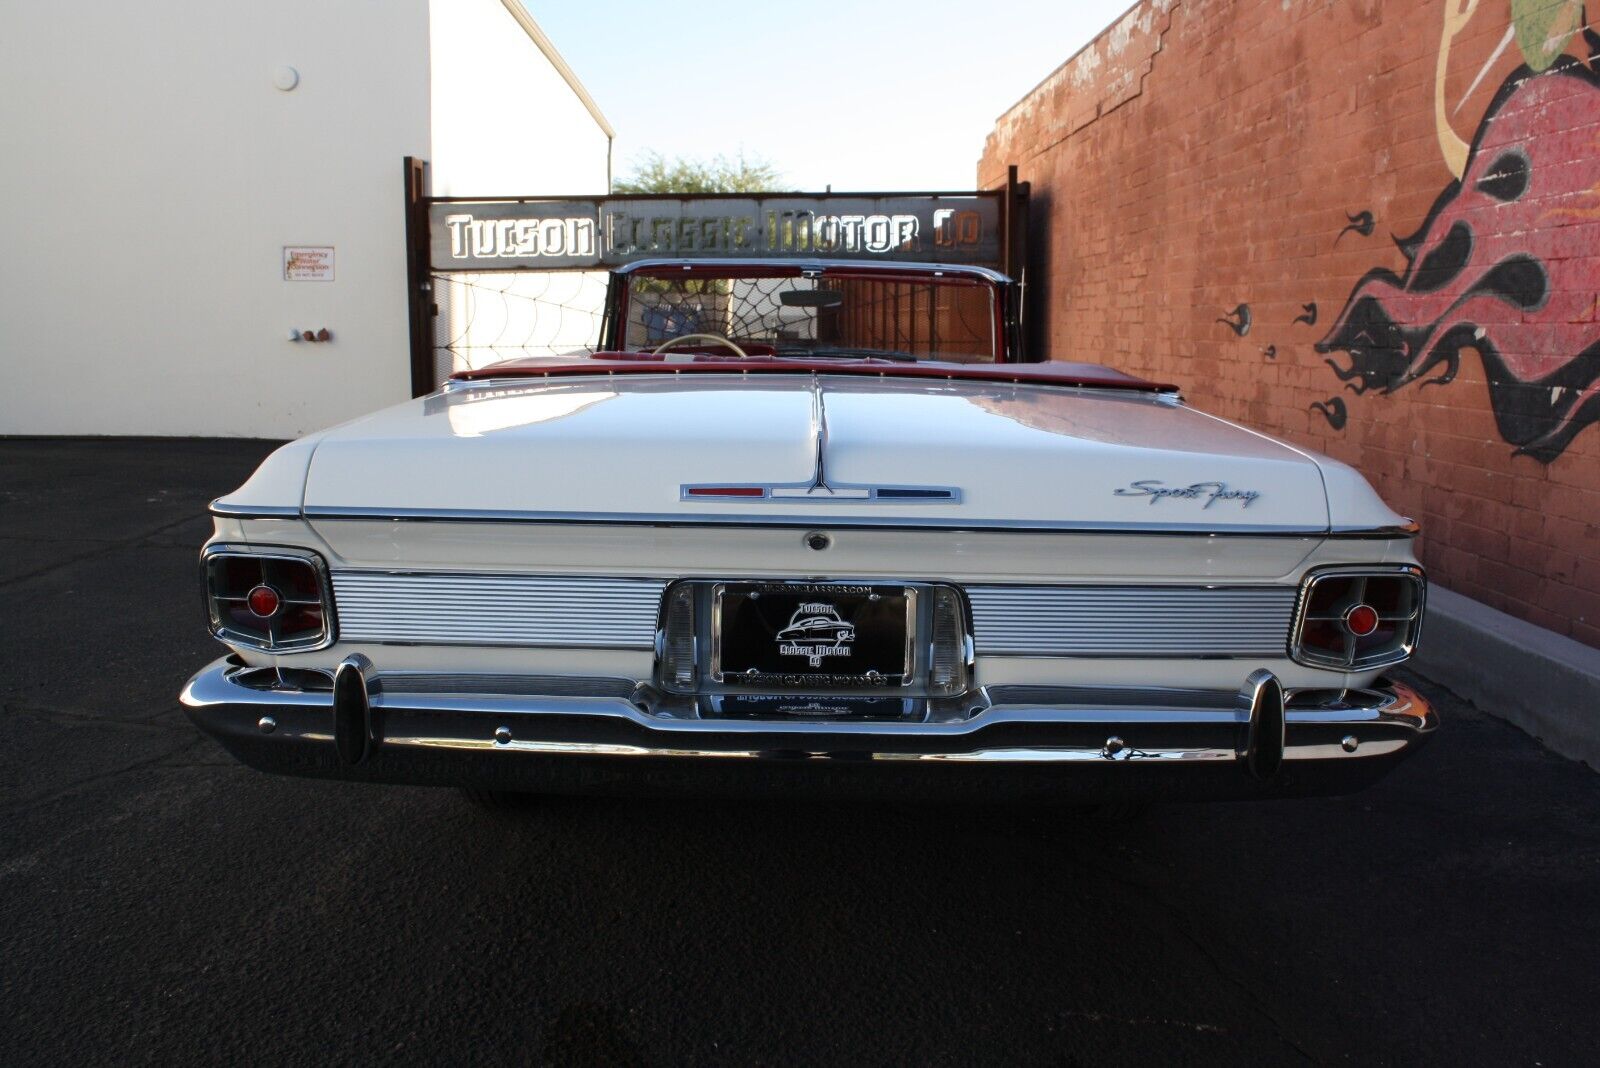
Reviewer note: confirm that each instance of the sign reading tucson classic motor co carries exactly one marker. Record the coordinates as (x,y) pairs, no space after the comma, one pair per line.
(609,231)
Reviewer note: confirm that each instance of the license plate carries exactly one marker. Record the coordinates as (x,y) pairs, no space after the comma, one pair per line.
(813,634)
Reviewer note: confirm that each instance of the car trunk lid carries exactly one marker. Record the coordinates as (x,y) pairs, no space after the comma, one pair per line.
(815,448)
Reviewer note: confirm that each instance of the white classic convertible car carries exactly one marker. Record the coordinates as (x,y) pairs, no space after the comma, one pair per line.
(813,526)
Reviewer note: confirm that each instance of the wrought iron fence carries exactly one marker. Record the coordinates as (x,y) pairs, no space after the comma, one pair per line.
(497,278)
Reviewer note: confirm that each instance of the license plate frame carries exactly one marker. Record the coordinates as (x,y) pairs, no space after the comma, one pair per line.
(806,636)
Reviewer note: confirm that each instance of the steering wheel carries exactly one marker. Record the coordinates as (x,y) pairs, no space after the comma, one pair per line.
(718,338)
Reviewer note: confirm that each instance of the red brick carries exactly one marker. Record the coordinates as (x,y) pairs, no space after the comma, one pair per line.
(1228,178)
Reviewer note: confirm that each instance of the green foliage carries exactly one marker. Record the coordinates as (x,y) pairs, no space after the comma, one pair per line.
(654,173)
(1544,27)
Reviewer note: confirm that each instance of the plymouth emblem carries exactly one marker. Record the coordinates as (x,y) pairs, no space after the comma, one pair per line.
(815,631)
(1210,492)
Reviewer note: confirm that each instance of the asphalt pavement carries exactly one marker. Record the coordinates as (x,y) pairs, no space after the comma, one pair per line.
(161,904)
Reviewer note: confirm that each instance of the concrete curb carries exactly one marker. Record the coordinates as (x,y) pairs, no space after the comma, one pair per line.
(1546,684)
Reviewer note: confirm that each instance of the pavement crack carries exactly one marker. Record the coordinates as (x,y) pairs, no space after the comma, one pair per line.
(65,717)
(29,804)
(101,550)
(1181,927)
(1251,997)
(1146,1021)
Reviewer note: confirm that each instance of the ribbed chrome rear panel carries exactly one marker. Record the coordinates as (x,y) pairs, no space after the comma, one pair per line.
(613,613)
(1131,621)
(473,609)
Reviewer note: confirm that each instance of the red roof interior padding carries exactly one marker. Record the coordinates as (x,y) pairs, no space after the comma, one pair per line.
(1053,373)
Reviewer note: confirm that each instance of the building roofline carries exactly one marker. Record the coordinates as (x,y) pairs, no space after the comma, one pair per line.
(1065,63)
(545,45)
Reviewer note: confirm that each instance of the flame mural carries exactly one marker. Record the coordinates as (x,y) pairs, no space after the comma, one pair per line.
(1507,262)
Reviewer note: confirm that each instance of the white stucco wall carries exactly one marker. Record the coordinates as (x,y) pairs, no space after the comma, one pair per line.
(504,121)
(153,174)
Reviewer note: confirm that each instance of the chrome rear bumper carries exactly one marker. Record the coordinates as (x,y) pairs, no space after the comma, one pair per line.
(566,734)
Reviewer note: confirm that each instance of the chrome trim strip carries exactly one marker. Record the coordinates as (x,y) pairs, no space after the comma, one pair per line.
(252,511)
(1410,528)
(805,521)
(477,608)
(1132,621)
(813,493)
(1016,755)
(819,434)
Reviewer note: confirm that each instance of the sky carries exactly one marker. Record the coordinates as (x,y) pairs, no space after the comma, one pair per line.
(873,95)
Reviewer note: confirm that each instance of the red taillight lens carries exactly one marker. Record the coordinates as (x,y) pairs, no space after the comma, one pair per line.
(273,599)
(726,491)
(263,601)
(1359,619)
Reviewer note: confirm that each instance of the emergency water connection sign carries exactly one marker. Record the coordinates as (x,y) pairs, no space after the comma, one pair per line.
(308,263)
(488,235)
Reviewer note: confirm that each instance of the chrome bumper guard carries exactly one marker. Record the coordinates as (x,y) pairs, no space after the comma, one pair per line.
(565,734)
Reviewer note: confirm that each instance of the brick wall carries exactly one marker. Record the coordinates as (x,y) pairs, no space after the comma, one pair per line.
(1259,200)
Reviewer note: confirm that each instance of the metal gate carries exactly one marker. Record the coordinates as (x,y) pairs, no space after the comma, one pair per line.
(497,277)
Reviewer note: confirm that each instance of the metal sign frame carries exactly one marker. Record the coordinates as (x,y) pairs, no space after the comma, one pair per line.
(986,228)
(586,233)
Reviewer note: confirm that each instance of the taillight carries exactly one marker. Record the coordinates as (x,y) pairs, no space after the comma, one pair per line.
(950,655)
(275,599)
(1357,619)
(679,664)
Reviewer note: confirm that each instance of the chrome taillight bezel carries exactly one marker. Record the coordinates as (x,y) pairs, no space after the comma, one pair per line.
(214,555)
(1402,650)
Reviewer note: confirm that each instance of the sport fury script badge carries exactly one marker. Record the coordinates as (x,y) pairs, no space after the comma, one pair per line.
(1210,492)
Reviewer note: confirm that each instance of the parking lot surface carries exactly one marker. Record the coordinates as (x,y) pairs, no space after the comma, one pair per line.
(160,903)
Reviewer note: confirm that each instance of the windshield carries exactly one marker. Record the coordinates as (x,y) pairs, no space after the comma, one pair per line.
(905,318)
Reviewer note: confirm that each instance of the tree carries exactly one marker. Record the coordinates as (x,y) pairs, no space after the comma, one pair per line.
(654,173)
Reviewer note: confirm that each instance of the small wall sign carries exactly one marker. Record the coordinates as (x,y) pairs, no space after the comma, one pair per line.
(308,263)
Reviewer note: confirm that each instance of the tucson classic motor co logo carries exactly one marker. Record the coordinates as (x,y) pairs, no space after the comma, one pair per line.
(616,234)
(815,631)
(1210,492)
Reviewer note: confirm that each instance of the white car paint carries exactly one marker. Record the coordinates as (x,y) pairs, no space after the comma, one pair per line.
(612,447)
